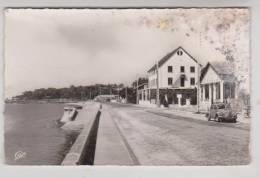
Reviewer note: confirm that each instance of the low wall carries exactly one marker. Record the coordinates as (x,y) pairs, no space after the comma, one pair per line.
(83,150)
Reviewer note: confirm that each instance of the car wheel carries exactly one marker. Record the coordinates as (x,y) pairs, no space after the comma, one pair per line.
(234,120)
(217,118)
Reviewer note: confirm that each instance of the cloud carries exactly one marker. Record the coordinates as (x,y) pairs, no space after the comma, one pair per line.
(59,48)
(91,38)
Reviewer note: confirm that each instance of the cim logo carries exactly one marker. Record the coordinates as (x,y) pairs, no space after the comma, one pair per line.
(19,155)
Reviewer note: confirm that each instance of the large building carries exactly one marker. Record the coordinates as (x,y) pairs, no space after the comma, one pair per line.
(178,79)
(179,73)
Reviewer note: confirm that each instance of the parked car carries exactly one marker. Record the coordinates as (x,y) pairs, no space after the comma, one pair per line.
(222,112)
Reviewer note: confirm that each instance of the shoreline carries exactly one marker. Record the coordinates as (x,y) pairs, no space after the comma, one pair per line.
(55,101)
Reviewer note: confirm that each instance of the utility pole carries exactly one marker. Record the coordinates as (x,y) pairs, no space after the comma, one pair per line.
(198,88)
(157,86)
(137,95)
(198,80)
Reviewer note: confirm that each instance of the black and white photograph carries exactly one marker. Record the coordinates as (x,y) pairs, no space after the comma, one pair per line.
(127,86)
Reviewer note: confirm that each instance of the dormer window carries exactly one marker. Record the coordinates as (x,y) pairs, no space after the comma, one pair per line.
(179,53)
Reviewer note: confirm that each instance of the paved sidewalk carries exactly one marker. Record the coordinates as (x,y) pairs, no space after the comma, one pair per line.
(110,148)
(187,112)
(194,115)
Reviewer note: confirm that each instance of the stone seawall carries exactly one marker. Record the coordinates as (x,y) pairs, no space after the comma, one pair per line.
(83,150)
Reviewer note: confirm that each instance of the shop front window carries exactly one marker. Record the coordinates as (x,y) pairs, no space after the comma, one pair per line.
(206,91)
(217,90)
(229,90)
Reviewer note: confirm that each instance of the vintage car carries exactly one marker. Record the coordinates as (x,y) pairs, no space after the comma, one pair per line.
(222,112)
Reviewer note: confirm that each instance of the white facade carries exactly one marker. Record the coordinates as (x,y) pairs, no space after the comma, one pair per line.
(178,59)
(178,79)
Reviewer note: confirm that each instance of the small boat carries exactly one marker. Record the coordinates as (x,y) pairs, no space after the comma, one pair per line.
(69,114)
(74,105)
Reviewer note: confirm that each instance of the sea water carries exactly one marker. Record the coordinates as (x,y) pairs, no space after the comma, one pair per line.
(33,135)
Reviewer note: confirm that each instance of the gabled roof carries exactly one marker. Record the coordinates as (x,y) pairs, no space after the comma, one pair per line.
(168,56)
(142,85)
(223,69)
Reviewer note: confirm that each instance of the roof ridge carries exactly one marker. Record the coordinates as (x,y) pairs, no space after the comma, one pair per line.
(220,72)
(169,55)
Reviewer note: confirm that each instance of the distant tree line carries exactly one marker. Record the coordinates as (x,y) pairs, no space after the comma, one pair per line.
(83,92)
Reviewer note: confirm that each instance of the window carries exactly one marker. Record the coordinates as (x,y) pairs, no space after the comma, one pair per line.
(206,91)
(179,53)
(170,81)
(229,90)
(226,90)
(192,81)
(182,69)
(217,90)
(182,81)
(192,69)
(170,69)
(201,92)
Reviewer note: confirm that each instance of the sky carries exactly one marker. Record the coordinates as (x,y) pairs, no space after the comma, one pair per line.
(62,47)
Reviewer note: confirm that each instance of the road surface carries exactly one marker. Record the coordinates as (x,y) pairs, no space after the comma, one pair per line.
(156,138)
